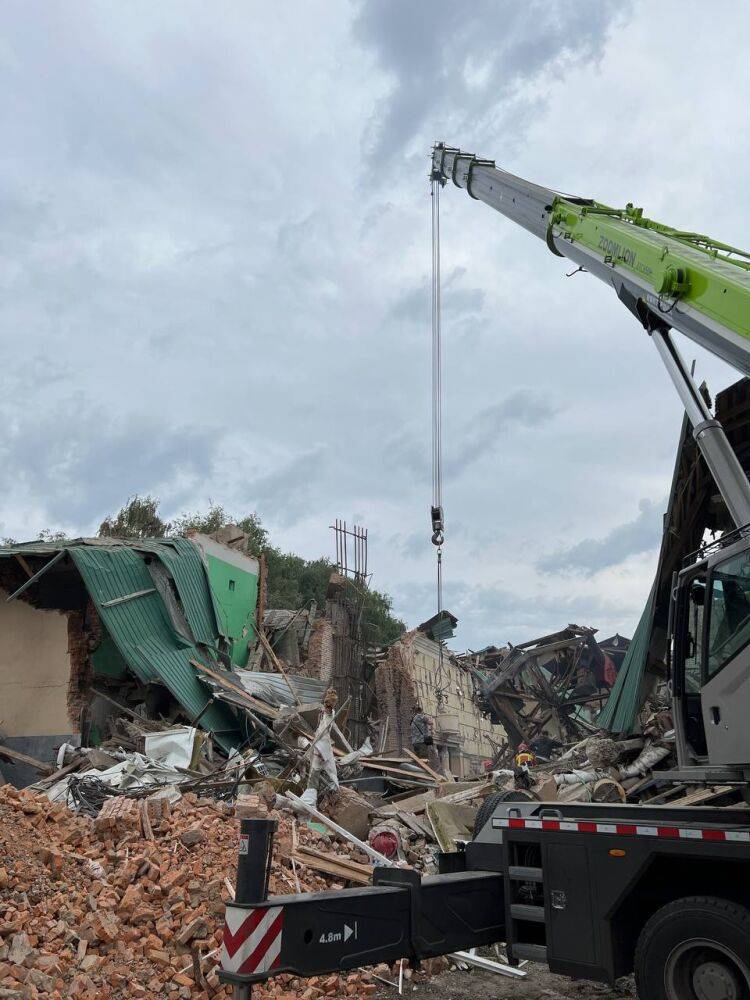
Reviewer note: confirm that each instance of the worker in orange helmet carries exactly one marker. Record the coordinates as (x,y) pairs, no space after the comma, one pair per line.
(524,756)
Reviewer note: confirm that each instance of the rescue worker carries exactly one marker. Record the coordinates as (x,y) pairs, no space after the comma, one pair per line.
(524,756)
(421,733)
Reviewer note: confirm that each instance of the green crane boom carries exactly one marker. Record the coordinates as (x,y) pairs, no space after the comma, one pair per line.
(668,278)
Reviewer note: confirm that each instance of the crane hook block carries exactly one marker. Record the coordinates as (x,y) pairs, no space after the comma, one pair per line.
(438,526)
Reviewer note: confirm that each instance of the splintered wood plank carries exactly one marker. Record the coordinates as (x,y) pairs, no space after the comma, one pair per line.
(333,864)
(424,765)
(417,778)
(703,795)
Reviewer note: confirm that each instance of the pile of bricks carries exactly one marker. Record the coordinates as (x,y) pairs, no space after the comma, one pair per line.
(131,904)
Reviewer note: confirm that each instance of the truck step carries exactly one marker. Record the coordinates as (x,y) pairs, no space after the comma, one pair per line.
(520,873)
(525,911)
(533,952)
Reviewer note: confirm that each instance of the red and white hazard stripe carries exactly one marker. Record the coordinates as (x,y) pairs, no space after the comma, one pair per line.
(251,944)
(624,829)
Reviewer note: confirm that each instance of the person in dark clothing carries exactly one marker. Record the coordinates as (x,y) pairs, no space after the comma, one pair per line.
(421,733)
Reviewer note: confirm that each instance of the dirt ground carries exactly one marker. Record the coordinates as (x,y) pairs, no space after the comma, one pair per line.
(539,984)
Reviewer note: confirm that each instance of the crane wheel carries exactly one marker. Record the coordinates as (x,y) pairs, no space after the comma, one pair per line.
(696,948)
(491,803)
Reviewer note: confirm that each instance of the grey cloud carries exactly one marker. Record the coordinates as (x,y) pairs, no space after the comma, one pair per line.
(410,546)
(495,614)
(458,302)
(593,554)
(79,464)
(455,68)
(524,409)
(285,493)
(185,200)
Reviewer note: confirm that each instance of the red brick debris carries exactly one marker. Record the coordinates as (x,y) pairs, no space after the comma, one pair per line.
(131,904)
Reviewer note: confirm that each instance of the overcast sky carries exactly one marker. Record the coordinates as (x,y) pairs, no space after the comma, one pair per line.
(214,279)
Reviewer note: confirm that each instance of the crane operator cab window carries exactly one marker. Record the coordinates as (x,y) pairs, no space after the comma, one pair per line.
(694,638)
(695,609)
(729,621)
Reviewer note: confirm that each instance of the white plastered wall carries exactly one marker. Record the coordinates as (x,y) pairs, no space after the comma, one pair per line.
(34,670)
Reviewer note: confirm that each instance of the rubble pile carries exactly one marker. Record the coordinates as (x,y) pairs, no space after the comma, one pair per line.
(131,903)
(554,685)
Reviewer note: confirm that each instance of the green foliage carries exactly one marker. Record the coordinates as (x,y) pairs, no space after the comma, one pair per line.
(381,626)
(293,582)
(47,535)
(206,523)
(139,518)
(216,517)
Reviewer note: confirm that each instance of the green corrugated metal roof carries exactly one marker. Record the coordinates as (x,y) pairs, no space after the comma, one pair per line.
(144,634)
(184,562)
(624,702)
(141,628)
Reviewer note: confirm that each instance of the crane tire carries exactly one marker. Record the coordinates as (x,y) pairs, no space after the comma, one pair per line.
(695,948)
(493,801)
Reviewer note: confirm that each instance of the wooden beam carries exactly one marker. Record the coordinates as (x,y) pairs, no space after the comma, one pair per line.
(424,765)
(16,757)
(482,788)
(277,663)
(399,771)
(332,864)
(704,795)
(24,565)
(56,776)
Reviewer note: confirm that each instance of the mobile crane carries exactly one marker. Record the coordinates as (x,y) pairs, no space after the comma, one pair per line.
(595,890)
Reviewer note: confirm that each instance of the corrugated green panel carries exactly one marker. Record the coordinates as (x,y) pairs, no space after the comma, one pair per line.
(113,573)
(185,564)
(624,702)
(143,633)
(38,548)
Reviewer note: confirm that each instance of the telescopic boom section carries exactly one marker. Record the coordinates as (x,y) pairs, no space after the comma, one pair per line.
(668,278)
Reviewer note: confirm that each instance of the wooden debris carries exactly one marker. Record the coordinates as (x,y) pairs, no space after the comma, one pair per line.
(16,757)
(334,864)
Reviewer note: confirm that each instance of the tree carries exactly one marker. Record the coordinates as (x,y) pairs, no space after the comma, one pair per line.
(293,582)
(139,518)
(216,517)
(381,626)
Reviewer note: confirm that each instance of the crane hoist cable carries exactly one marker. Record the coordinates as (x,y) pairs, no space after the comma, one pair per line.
(436,510)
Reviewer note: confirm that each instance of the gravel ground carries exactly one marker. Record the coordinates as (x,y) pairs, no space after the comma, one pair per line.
(540,984)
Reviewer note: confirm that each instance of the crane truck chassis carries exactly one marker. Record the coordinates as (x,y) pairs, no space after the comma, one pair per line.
(594,890)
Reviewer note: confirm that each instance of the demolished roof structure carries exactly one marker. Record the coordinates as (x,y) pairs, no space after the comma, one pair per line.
(553,686)
(695,506)
(139,611)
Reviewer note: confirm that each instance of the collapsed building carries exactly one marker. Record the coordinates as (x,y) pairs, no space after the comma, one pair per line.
(413,672)
(93,627)
(165,631)
(553,687)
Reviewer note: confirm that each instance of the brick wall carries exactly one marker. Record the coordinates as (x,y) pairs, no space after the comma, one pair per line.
(416,657)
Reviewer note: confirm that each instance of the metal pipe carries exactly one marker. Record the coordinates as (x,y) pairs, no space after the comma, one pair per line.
(709,435)
(32,579)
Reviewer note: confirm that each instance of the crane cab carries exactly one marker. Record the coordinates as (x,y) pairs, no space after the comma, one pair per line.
(710,662)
